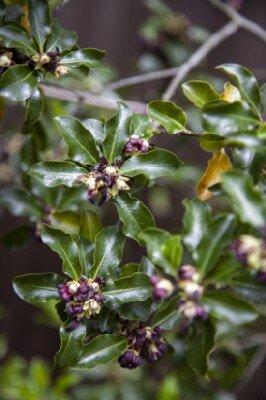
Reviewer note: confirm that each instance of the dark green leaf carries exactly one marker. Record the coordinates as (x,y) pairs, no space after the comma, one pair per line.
(250,288)
(61,38)
(200,92)
(55,173)
(86,250)
(96,128)
(246,201)
(86,57)
(101,350)
(18,83)
(18,237)
(170,116)
(134,214)
(154,164)
(137,310)
(39,17)
(226,118)
(218,235)
(90,225)
(147,267)
(37,287)
(199,345)
(14,36)
(167,317)
(71,347)
(21,203)
(117,132)
(67,221)
(229,307)
(80,142)
(67,249)
(225,270)
(141,125)
(34,107)
(109,244)
(129,289)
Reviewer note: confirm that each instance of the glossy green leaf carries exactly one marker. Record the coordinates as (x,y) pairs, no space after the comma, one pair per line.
(86,57)
(34,107)
(246,200)
(167,317)
(55,173)
(71,347)
(169,115)
(67,249)
(80,142)
(245,81)
(225,270)
(21,203)
(211,142)
(39,17)
(90,225)
(199,345)
(199,92)
(37,287)
(219,234)
(137,310)
(196,221)
(86,250)
(147,267)
(61,38)
(134,214)
(154,164)
(250,288)
(109,243)
(229,307)
(101,350)
(141,125)
(18,83)
(136,287)
(96,128)
(225,118)
(172,250)
(66,221)
(14,36)
(117,132)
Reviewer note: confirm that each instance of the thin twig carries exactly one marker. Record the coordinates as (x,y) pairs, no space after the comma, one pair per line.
(60,93)
(241,21)
(214,40)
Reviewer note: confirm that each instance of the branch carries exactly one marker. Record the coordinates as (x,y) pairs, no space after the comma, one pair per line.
(60,93)
(213,41)
(241,21)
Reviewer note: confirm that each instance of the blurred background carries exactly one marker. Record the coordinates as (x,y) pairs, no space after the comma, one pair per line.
(137,38)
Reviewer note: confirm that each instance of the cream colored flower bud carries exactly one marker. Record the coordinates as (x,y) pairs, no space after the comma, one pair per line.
(190,310)
(44,59)
(4,61)
(36,58)
(121,183)
(61,70)
(95,286)
(166,285)
(73,286)
(145,143)
(192,289)
(110,170)
(91,183)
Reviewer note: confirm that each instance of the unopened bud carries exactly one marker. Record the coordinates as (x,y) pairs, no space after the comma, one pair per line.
(73,286)
(4,61)
(60,71)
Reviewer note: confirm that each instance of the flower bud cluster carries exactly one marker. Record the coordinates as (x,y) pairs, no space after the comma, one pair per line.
(104,180)
(10,57)
(251,252)
(51,62)
(136,145)
(83,299)
(162,288)
(145,343)
(191,292)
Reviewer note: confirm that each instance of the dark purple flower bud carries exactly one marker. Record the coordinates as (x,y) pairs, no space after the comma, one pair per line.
(81,297)
(241,255)
(186,272)
(73,325)
(83,288)
(99,297)
(201,312)
(130,359)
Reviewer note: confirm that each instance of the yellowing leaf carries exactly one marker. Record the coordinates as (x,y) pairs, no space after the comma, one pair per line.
(217,165)
(25,18)
(231,93)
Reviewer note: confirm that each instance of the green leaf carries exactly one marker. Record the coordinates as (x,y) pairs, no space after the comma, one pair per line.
(169,115)
(67,249)
(80,142)
(109,243)
(55,173)
(172,250)
(136,287)
(96,128)
(61,38)
(34,107)
(225,270)
(85,57)
(21,203)
(90,225)
(250,288)
(199,345)
(225,118)
(18,83)
(229,307)
(14,36)
(101,350)
(154,164)
(245,81)
(211,142)
(134,214)
(39,17)
(199,92)
(71,347)
(219,234)
(246,200)
(196,221)
(37,287)
(66,221)
(167,317)
(137,310)
(85,255)
(117,132)
(141,125)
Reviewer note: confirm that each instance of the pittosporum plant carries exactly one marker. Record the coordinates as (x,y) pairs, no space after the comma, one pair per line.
(200,284)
